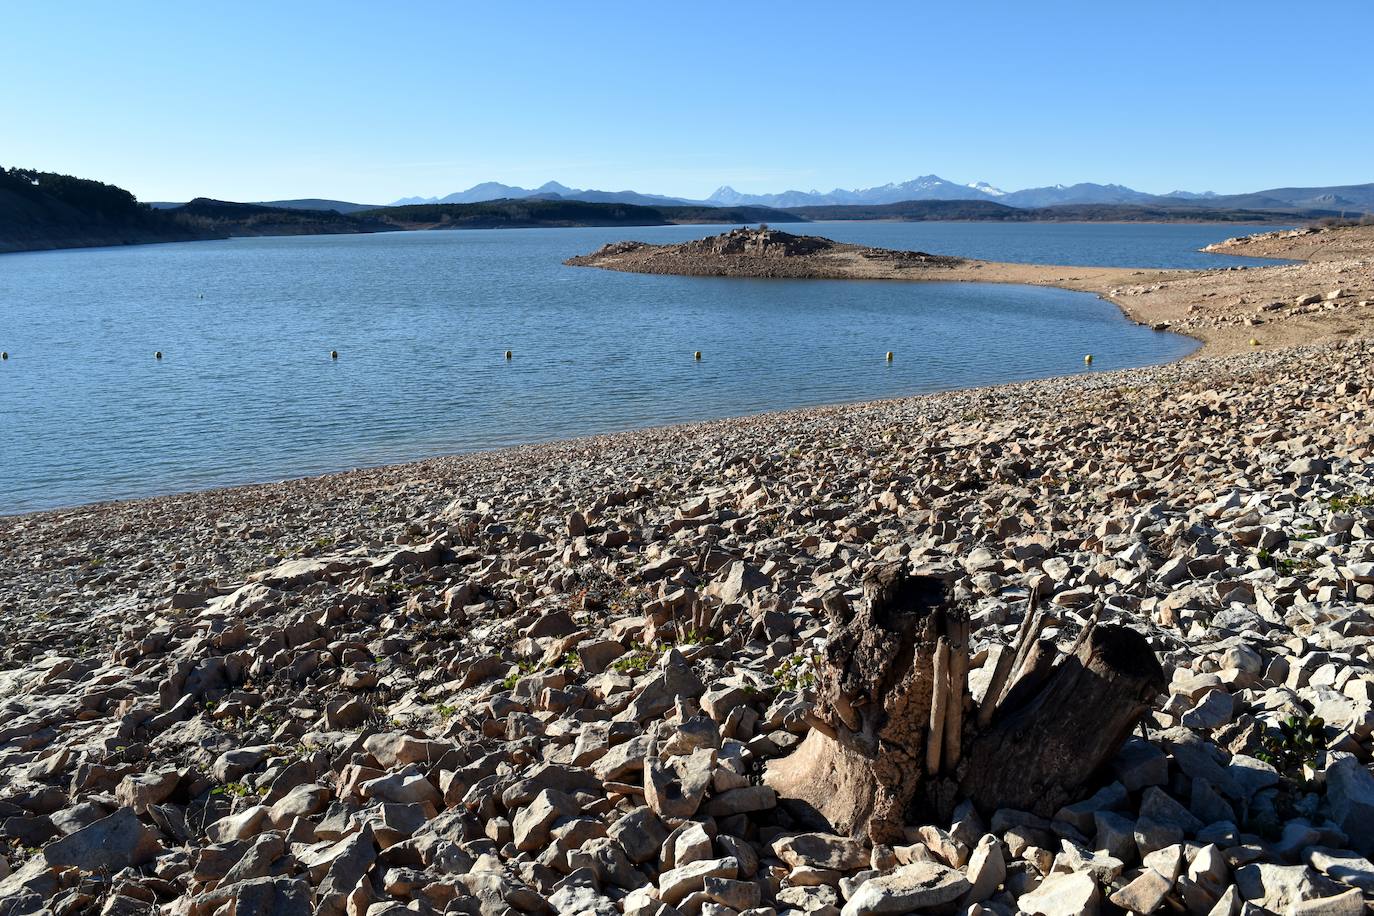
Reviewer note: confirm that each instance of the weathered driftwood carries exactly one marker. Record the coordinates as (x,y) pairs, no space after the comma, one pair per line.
(891,734)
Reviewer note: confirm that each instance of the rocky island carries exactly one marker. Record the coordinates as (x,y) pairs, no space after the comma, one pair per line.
(1230,310)
(583,677)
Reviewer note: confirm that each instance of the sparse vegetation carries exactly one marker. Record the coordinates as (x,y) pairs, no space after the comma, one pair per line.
(797,672)
(1293,747)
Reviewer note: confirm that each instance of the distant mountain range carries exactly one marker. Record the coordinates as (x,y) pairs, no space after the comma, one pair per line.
(494,190)
(1354,198)
(41,210)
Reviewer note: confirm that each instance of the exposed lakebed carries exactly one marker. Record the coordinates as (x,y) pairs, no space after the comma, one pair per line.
(246,390)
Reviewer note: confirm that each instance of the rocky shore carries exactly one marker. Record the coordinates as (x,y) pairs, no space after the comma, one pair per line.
(548,680)
(1329,297)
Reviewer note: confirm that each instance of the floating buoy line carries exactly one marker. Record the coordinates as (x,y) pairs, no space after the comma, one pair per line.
(696,354)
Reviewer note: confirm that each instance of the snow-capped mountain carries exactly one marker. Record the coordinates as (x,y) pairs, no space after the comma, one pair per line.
(926,187)
(933,187)
(1085,193)
(494,190)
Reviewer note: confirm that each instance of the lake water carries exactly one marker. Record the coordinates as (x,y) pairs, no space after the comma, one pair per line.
(246,390)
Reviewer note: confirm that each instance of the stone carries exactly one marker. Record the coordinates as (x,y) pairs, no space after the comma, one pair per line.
(1152,835)
(1250,774)
(919,886)
(303,801)
(264,896)
(1145,892)
(1281,887)
(244,825)
(1349,903)
(742,852)
(110,844)
(737,895)
(1116,836)
(1343,866)
(1140,764)
(1159,806)
(740,580)
(142,791)
(821,850)
(1350,796)
(348,860)
(1063,895)
(743,800)
(532,822)
(397,749)
(676,884)
(1080,814)
(1209,870)
(1212,711)
(987,869)
(640,833)
(404,787)
(692,845)
(232,765)
(1102,865)
(675,787)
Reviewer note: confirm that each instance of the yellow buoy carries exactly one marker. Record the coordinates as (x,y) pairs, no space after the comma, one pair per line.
(157,355)
(889,356)
(1088,359)
(696,355)
(1254,342)
(333,354)
(508,354)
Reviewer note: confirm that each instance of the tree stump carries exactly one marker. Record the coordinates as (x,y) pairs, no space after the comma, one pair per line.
(1038,754)
(879,698)
(890,732)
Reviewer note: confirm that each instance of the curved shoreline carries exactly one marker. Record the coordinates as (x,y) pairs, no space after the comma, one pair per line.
(1228,309)
(1140,302)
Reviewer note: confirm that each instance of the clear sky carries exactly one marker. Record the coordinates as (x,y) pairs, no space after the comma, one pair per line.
(249,100)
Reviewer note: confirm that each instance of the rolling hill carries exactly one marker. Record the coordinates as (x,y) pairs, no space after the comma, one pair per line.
(45,210)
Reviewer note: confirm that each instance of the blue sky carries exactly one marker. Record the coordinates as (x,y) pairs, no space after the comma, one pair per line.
(252,100)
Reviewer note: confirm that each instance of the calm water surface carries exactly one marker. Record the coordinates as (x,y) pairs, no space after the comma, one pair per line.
(246,390)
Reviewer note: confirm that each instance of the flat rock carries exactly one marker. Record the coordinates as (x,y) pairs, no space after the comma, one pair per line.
(110,844)
(914,887)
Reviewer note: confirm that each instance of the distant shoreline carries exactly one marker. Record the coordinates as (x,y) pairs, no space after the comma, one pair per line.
(206,220)
(76,244)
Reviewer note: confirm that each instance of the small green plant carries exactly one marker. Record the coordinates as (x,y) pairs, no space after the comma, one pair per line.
(521,669)
(691,637)
(232,788)
(1353,501)
(1288,566)
(446,711)
(1292,749)
(636,662)
(796,672)
(571,660)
